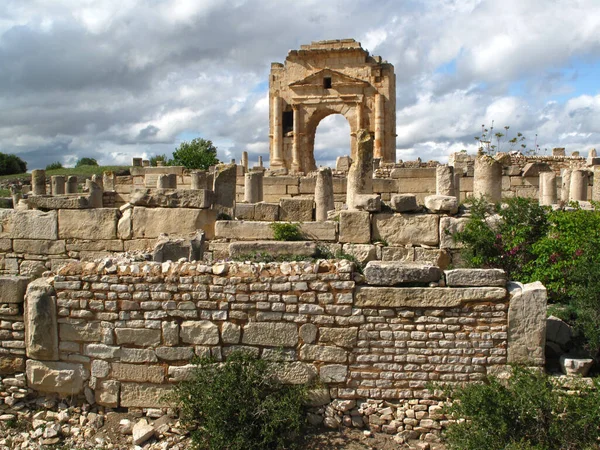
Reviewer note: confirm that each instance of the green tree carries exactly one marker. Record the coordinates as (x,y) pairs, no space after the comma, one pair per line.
(54,166)
(197,154)
(163,158)
(86,162)
(11,164)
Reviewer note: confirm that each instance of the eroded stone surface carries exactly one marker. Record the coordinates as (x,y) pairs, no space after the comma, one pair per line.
(271,334)
(475,277)
(60,377)
(403,229)
(391,273)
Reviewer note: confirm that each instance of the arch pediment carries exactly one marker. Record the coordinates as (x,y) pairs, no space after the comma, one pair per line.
(338,79)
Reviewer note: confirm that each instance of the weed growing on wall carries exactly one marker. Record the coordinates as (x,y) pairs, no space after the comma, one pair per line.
(526,411)
(283,231)
(239,405)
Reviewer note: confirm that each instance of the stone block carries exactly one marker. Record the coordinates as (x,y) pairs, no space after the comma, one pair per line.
(13,288)
(308,333)
(391,273)
(475,277)
(28,224)
(124,226)
(355,227)
(558,332)
(404,203)
(39,247)
(409,172)
(403,254)
(527,323)
(573,366)
(270,334)
(381,185)
(363,253)
(181,373)
(272,248)
(138,336)
(342,337)
(41,335)
(137,372)
(144,395)
(175,353)
(137,355)
(424,297)
(230,333)
(243,230)
(296,209)
(323,353)
(403,229)
(437,257)
(81,332)
(244,211)
(101,351)
(319,231)
(10,365)
(174,249)
(295,372)
(152,222)
(448,227)
(268,212)
(414,185)
(54,202)
(445,204)
(98,223)
(224,184)
(201,332)
(172,198)
(107,393)
(333,373)
(307,185)
(56,377)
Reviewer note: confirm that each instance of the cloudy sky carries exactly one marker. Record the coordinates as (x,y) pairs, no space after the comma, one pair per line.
(113,79)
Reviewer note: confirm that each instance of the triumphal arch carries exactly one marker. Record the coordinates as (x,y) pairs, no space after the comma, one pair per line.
(323,78)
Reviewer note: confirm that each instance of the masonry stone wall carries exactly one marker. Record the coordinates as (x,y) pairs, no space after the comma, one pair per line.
(123,333)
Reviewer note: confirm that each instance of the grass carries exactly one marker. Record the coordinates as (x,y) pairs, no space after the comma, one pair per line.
(85,171)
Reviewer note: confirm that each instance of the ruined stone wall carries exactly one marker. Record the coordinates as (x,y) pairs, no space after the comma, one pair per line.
(123,334)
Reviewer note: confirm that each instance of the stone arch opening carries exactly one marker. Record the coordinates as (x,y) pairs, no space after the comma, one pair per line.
(332,137)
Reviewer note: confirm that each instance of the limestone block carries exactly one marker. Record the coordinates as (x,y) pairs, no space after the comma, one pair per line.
(404,202)
(143,395)
(5,245)
(181,373)
(201,332)
(39,247)
(381,185)
(137,372)
(224,186)
(533,169)
(416,185)
(138,336)
(124,229)
(172,198)
(270,334)
(437,257)
(137,355)
(81,245)
(367,202)
(475,277)
(174,249)
(28,224)
(101,351)
(141,432)
(81,332)
(9,365)
(527,323)
(244,211)
(441,204)
(342,337)
(403,254)
(342,163)
(152,222)
(51,202)
(98,223)
(56,377)
(13,288)
(107,393)
(41,334)
(268,212)
(230,333)
(402,229)
(333,373)
(308,333)
(295,372)
(422,297)
(175,353)
(391,273)
(355,227)
(410,172)
(319,231)
(448,227)
(574,366)
(243,230)
(272,248)
(323,353)
(296,209)
(362,252)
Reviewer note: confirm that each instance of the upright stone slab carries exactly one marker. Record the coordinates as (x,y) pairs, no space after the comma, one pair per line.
(96,194)
(596,186)
(245,161)
(565,184)
(547,188)
(578,186)
(355,227)
(41,331)
(98,180)
(360,175)
(38,182)
(527,323)
(162,181)
(57,183)
(342,163)
(198,180)
(253,189)
(487,180)
(323,194)
(172,180)
(444,180)
(108,180)
(72,185)
(224,185)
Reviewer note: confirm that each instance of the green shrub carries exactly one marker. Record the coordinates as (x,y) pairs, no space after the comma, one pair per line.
(197,154)
(526,411)
(54,166)
(163,158)
(11,164)
(239,404)
(86,162)
(286,231)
